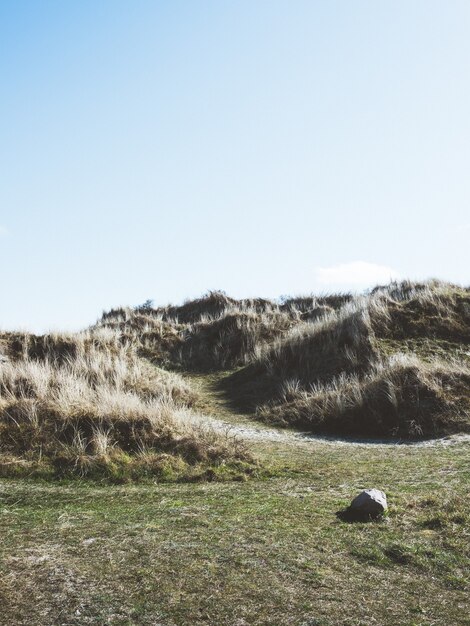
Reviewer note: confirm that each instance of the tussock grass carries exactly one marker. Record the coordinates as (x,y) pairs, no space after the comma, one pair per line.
(212,332)
(154,338)
(402,398)
(325,363)
(313,306)
(335,343)
(233,339)
(434,310)
(340,341)
(342,371)
(87,404)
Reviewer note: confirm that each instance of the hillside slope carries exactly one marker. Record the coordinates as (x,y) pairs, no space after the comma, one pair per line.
(116,400)
(88,404)
(391,363)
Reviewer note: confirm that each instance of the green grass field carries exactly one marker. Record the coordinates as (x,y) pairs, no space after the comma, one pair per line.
(255,552)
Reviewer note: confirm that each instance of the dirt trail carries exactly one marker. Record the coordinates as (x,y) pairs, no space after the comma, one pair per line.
(216,411)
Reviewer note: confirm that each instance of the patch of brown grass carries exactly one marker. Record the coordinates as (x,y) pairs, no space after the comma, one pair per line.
(402,398)
(86,402)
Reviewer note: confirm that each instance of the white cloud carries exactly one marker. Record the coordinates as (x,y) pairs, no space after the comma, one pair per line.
(3,231)
(355,275)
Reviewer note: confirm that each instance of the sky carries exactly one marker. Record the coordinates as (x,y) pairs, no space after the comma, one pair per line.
(156,149)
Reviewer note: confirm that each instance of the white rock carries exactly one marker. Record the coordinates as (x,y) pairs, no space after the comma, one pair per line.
(369,502)
(88,542)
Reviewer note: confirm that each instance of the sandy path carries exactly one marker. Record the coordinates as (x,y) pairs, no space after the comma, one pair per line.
(240,428)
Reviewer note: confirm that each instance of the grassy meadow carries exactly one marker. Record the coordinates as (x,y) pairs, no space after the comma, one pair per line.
(263,551)
(190,464)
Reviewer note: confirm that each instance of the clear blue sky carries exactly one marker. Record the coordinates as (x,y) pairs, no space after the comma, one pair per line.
(158,149)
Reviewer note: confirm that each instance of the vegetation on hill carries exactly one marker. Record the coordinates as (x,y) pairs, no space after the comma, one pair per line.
(108,401)
(87,404)
(330,364)
(395,363)
(129,398)
(403,398)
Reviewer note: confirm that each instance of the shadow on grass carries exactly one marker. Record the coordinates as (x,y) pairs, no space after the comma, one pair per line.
(350,516)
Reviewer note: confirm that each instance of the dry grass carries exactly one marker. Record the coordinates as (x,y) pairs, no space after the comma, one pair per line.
(233,339)
(213,332)
(256,552)
(87,404)
(321,342)
(96,399)
(342,372)
(340,341)
(402,398)
(436,310)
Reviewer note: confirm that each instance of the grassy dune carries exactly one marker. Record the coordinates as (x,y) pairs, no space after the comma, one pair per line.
(212,526)
(86,404)
(108,401)
(391,363)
